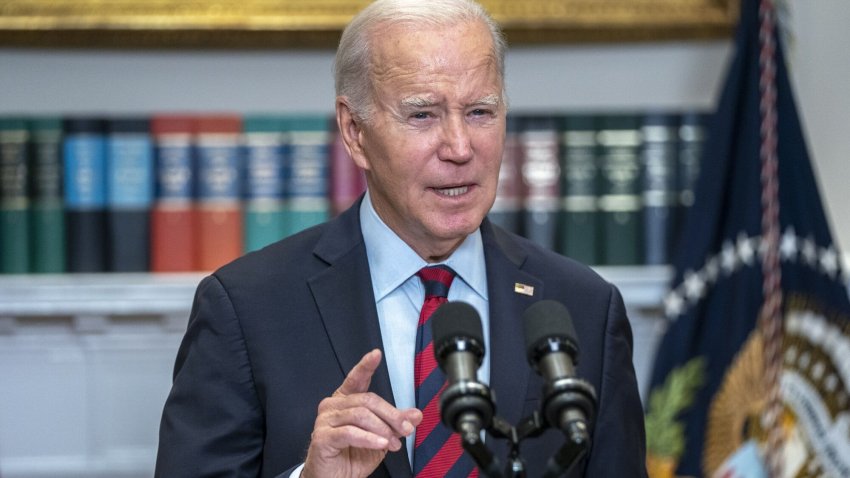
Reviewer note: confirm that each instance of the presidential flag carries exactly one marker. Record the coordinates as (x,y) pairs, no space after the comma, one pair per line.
(752,378)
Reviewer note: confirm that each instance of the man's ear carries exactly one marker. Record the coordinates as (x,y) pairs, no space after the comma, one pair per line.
(351,130)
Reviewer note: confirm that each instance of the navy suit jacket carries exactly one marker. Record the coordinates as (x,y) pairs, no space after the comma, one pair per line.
(276,331)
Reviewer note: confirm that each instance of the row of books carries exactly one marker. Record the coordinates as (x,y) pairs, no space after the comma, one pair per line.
(174,192)
(165,193)
(605,189)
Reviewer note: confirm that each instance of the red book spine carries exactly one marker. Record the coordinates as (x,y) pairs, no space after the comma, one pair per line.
(172,217)
(172,239)
(219,195)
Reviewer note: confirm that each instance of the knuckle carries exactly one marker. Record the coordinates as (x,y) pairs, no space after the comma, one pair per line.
(369,400)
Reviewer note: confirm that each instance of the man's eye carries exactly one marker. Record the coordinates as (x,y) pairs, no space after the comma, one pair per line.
(420,115)
(479,112)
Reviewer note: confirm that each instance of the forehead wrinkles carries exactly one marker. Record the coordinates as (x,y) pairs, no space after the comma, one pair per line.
(411,55)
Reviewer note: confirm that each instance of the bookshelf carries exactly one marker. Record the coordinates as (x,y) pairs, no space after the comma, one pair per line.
(29,297)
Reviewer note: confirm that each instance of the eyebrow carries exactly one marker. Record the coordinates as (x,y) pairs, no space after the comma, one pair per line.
(489,100)
(420,102)
(417,102)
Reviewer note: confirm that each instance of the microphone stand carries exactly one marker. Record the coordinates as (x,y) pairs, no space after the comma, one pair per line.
(533,426)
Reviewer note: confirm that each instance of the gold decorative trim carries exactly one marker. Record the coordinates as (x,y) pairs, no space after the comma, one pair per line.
(317,23)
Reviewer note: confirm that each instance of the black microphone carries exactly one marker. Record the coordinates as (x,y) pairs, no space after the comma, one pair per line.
(569,403)
(465,405)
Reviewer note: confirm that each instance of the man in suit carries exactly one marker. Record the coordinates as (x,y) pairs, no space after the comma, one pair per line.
(298,359)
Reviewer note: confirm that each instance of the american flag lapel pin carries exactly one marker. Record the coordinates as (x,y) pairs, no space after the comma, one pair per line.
(523,289)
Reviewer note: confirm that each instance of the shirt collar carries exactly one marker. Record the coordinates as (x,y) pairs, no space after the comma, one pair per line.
(392,261)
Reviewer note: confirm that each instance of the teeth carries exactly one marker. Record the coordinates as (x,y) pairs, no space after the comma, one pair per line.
(453,191)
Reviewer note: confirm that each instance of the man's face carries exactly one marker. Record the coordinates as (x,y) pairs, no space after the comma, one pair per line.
(434,143)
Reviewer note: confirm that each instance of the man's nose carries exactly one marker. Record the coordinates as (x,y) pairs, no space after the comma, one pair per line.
(456,144)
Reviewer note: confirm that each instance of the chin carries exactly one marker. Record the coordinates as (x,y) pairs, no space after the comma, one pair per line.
(454,228)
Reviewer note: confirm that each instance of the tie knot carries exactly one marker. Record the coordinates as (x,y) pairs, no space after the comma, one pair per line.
(437,280)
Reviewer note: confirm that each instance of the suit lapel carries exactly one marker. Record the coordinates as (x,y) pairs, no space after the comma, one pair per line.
(509,370)
(344,297)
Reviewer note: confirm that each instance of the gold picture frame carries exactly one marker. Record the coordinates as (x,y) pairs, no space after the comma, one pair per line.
(274,24)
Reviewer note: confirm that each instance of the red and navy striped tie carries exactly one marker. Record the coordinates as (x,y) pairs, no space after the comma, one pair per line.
(437,451)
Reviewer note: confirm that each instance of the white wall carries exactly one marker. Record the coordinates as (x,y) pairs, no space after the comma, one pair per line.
(597,76)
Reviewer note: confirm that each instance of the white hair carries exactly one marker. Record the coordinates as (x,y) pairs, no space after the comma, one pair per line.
(352,77)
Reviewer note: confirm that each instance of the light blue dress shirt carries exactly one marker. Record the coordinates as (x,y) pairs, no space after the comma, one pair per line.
(399,295)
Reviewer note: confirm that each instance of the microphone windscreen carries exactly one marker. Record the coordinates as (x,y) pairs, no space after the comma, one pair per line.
(545,320)
(455,319)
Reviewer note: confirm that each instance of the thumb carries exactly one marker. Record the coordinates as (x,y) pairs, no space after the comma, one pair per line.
(359,378)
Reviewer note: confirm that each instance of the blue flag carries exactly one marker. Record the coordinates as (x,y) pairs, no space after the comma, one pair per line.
(706,410)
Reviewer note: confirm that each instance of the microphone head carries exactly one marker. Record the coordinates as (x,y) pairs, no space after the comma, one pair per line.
(549,328)
(456,325)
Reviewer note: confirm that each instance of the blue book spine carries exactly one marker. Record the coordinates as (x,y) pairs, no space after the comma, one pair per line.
(218,174)
(174,173)
(658,158)
(130,189)
(691,138)
(85,195)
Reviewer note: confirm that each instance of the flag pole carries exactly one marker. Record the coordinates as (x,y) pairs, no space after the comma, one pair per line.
(770,320)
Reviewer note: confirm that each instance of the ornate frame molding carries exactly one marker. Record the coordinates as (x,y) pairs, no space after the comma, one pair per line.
(275,24)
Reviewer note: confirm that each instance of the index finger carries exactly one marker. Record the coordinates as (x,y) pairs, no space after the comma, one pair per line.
(359,378)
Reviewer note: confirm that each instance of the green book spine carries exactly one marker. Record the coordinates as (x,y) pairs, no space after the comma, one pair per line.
(265,157)
(47,218)
(307,173)
(620,202)
(579,228)
(14,202)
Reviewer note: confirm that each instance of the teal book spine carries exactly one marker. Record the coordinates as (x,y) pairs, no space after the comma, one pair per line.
(265,156)
(620,200)
(579,226)
(47,215)
(14,197)
(307,173)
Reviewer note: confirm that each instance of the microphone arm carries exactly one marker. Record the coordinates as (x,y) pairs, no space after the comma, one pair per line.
(569,403)
(466,405)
